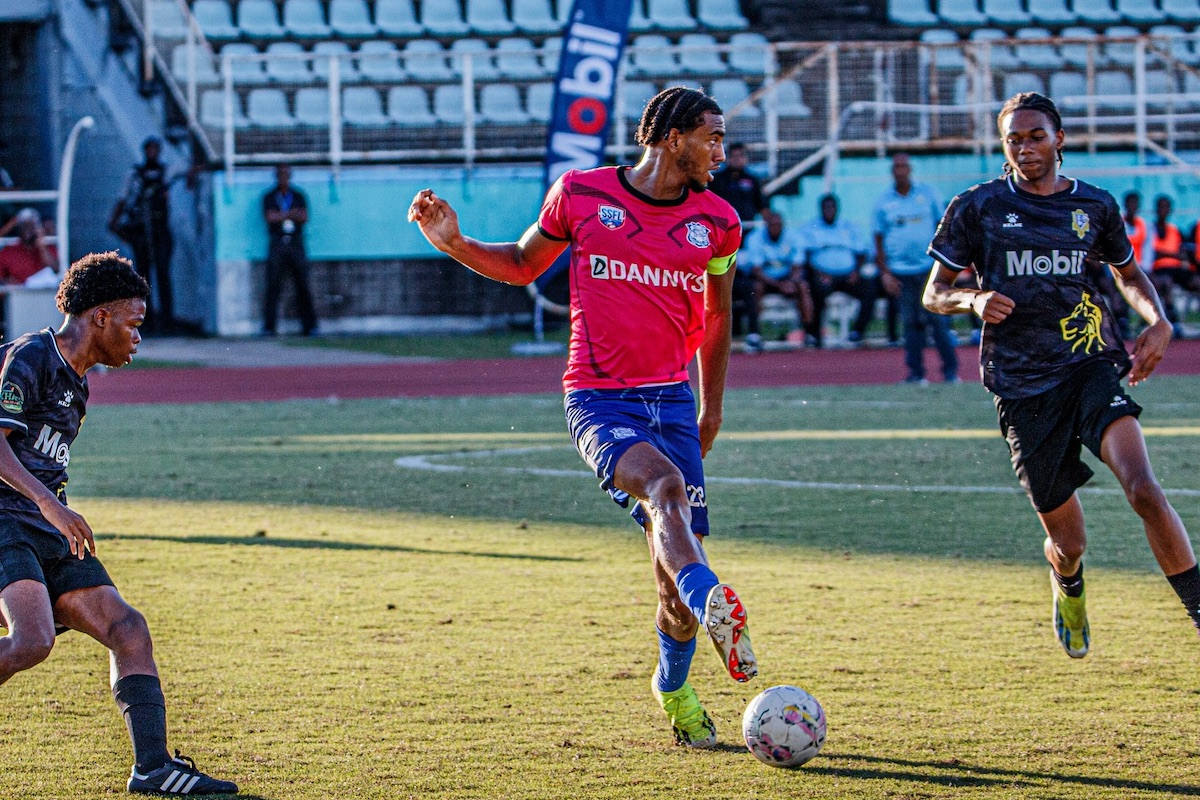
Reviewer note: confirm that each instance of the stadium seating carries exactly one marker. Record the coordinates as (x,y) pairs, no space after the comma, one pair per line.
(362,107)
(483,65)
(396,18)
(518,58)
(349,18)
(1017,82)
(268,108)
(206,68)
(1161,89)
(1096,12)
(1114,89)
(999,51)
(443,18)
(722,15)
(551,54)
(1176,43)
(1069,89)
(961,12)
(1185,11)
(911,12)
(698,55)
(1042,55)
(379,62)
(305,19)
(950,57)
(292,69)
(670,15)
(788,100)
(1076,53)
(489,17)
(215,18)
(1006,12)
(312,108)
(258,19)
(448,104)
(347,70)
(653,55)
(500,103)
(534,16)
(538,101)
(728,92)
(1121,53)
(246,71)
(425,60)
(636,95)
(1140,12)
(638,21)
(408,106)
(212,110)
(1052,12)
(746,53)
(166,19)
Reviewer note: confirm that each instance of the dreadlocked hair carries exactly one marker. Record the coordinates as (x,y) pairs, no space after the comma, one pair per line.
(676,108)
(99,278)
(1029,101)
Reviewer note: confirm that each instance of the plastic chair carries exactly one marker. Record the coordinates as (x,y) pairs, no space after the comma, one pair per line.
(268,108)
(206,68)
(489,17)
(258,19)
(483,65)
(1162,89)
(747,53)
(653,54)
(443,17)
(1176,41)
(379,62)
(347,71)
(1187,11)
(212,110)
(1017,82)
(1141,12)
(305,18)
(518,58)
(698,55)
(1122,53)
(638,21)
(1006,12)
(288,69)
(1042,55)
(425,60)
(551,53)
(312,108)
(728,92)
(724,15)
(670,15)
(534,16)
(408,106)
(637,95)
(215,18)
(1052,12)
(788,100)
(1095,12)
(1069,90)
(167,20)
(363,108)
(539,100)
(246,71)
(350,18)
(1114,89)
(961,12)
(396,18)
(947,57)
(448,104)
(1000,52)
(500,103)
(911,12)
(1076,53)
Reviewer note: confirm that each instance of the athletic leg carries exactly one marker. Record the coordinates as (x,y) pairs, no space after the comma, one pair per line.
(25,605)
(1066,540)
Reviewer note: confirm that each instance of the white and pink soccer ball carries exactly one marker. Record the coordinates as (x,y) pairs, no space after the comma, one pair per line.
(784,726)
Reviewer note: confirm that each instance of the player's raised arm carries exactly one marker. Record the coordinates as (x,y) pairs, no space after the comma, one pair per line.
(72,525)
(518,263)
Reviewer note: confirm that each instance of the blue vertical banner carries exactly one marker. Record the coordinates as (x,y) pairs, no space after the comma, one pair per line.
(583,93)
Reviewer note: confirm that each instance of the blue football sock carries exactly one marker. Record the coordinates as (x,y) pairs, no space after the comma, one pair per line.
(694,582)
(674,662)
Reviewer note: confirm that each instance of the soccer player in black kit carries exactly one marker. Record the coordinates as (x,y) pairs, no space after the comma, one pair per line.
(50,577)
(1052,353)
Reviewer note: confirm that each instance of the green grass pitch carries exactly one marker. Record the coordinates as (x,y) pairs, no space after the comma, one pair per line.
(479,622)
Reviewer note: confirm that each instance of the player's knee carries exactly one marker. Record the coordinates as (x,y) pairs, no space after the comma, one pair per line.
(29,651)
(128,632)
(668,494)
(1145,495)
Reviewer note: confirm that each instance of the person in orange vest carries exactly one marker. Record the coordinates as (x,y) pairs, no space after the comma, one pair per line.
(1170,267)
(1135,228)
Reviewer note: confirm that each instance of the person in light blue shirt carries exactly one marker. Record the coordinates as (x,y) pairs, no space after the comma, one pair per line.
(904,221)
(771,261)
(834,253)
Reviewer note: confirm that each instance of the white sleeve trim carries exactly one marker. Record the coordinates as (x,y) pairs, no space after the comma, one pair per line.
(938,255)
(8,422)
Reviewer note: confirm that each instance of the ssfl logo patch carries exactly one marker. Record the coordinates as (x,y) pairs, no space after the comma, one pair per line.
(1080,223)
(611,217)
(12,399)
(697,234)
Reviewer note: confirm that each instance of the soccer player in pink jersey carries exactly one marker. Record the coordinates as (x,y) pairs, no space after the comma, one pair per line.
(652,261)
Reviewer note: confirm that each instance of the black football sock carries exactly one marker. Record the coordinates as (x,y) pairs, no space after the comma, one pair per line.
(140,699)
(1187,585)
(1072,586)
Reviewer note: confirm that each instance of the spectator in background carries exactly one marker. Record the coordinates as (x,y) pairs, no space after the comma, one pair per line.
(141,218)
(285,208)
(834,253)
(905,218)
(772,262)
(1170,267)
(30,254)
(737,186)
(1135,229)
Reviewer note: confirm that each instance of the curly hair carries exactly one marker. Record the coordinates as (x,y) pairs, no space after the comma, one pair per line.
(1030,101)
(99,278)
(679,108)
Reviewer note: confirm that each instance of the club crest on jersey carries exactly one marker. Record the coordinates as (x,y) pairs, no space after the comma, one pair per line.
(697,234)
(1080,223)
(12,399)
(611,217)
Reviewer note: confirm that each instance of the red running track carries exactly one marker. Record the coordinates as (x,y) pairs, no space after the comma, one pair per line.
(515,376)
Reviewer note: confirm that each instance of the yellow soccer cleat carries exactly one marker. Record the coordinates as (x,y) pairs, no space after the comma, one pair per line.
(1070,620)
(691,723)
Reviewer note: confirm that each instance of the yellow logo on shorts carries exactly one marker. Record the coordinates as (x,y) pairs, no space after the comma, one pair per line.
(1082,327)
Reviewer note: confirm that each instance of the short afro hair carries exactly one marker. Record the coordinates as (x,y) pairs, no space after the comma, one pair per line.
(678,107)
(99,278)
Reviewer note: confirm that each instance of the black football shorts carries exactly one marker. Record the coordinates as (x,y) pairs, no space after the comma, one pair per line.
(33,549)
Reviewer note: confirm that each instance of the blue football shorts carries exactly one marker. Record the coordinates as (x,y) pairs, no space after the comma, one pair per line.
(606,422)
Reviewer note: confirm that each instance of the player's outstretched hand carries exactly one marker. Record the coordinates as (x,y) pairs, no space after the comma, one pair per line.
(992,307)
(71,525)
(1148,350)
(436,219)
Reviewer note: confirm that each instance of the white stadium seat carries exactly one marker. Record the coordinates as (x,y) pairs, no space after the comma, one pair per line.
(500,103)
(350,18)
(362,107)
(489,17)
(397,18)
(312,108)
(258,19)
(268,108)
(408,106)
(305,18)
(289,69)
(534,16)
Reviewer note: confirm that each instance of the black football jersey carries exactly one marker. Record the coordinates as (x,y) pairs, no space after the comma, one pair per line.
(1036,250)
(42,401)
